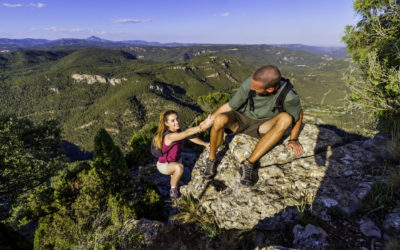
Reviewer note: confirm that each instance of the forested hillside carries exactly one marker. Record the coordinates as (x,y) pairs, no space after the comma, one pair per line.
(122,90)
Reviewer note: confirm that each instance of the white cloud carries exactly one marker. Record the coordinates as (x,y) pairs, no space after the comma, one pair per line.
(38,5)
(130,20)
(12,5)
(100,32)
(225,14)
(58,29)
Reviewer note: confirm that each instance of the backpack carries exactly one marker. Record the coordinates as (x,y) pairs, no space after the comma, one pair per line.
(283,91)
(287,86)
(157,152)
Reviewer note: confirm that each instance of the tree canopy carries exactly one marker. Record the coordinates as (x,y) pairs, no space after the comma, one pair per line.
(374,43)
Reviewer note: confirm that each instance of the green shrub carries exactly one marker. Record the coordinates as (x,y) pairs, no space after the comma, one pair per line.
(148,201)
(379,200)
(91,202)
(30,154)
(374,45)
(213,101)
(140,145)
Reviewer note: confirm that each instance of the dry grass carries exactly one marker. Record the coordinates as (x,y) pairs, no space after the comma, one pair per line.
(190,212)
(394,178)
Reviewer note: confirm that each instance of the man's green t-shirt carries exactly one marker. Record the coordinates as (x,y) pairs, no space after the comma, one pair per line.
(263,105)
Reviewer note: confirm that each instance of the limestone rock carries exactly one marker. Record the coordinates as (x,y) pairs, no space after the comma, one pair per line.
(310,237)
(166,88)
(392,222)
(313,139)
(91,79)
(330,173)
(369,229)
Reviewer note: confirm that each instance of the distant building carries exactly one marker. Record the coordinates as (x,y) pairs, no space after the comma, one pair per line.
(4,51)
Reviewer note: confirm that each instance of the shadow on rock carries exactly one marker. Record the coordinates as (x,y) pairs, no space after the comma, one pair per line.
(331,173)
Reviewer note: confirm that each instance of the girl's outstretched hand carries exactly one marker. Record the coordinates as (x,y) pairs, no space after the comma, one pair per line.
(207,123)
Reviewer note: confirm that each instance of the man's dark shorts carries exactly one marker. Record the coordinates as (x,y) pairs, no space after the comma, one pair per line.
(247,125)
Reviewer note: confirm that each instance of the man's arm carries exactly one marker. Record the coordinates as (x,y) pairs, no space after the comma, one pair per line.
(296,128)
(294,134)
(224,108)
(173,137)
(199,141)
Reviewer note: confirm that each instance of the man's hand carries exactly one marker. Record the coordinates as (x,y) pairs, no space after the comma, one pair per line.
(296,147)
(207,123)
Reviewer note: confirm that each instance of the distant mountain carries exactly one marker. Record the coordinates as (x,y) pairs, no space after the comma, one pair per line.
(97,39)
(23,42)
(252,54)
(15,44)
(330,51)
(146,43)
(93,41)
(75,43)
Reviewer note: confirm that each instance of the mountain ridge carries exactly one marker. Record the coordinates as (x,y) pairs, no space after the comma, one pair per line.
(30,43)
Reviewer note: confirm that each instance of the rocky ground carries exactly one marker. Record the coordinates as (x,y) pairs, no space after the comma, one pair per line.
(317,201)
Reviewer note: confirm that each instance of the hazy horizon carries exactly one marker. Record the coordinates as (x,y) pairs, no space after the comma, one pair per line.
(194,43)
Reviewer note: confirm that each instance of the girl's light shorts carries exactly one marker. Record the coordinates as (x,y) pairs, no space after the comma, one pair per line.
(162,167)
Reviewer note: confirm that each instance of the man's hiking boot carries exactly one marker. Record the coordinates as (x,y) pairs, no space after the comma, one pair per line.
(246,171)
(211,169)
(174,193)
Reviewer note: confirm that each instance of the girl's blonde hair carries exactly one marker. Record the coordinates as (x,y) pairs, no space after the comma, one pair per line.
(162,127)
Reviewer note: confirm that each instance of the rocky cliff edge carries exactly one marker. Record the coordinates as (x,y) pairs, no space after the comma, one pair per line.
(333,172)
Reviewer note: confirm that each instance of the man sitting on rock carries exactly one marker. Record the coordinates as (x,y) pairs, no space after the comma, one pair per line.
(253,111)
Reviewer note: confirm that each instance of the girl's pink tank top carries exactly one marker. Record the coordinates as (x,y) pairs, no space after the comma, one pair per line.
(174,153)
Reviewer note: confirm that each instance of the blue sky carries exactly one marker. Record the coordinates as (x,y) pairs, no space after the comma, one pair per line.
(311,22)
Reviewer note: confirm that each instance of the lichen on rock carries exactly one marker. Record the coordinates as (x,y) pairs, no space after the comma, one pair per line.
(332,172)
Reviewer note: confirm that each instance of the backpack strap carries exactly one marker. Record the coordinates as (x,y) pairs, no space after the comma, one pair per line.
(166,133)
(285,89)
(250,100)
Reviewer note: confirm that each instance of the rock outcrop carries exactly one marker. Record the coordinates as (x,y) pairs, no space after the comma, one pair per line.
(91,79)
(332,172)
(166,88)
(310,237)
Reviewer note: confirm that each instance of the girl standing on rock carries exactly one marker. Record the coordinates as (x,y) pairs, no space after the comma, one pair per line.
(170,139)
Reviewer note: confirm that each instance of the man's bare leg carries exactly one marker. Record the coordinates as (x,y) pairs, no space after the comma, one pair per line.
(274,130)
(222,121)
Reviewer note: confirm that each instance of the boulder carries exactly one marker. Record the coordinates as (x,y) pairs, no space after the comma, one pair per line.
(369,229)
(330,173)
(309,237)
(392,222)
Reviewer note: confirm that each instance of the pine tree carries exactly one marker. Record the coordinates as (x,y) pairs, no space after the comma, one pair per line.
(109,161)
(29,155)
(374,43)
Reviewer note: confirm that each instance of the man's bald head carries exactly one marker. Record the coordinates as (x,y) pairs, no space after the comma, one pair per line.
(269,76)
